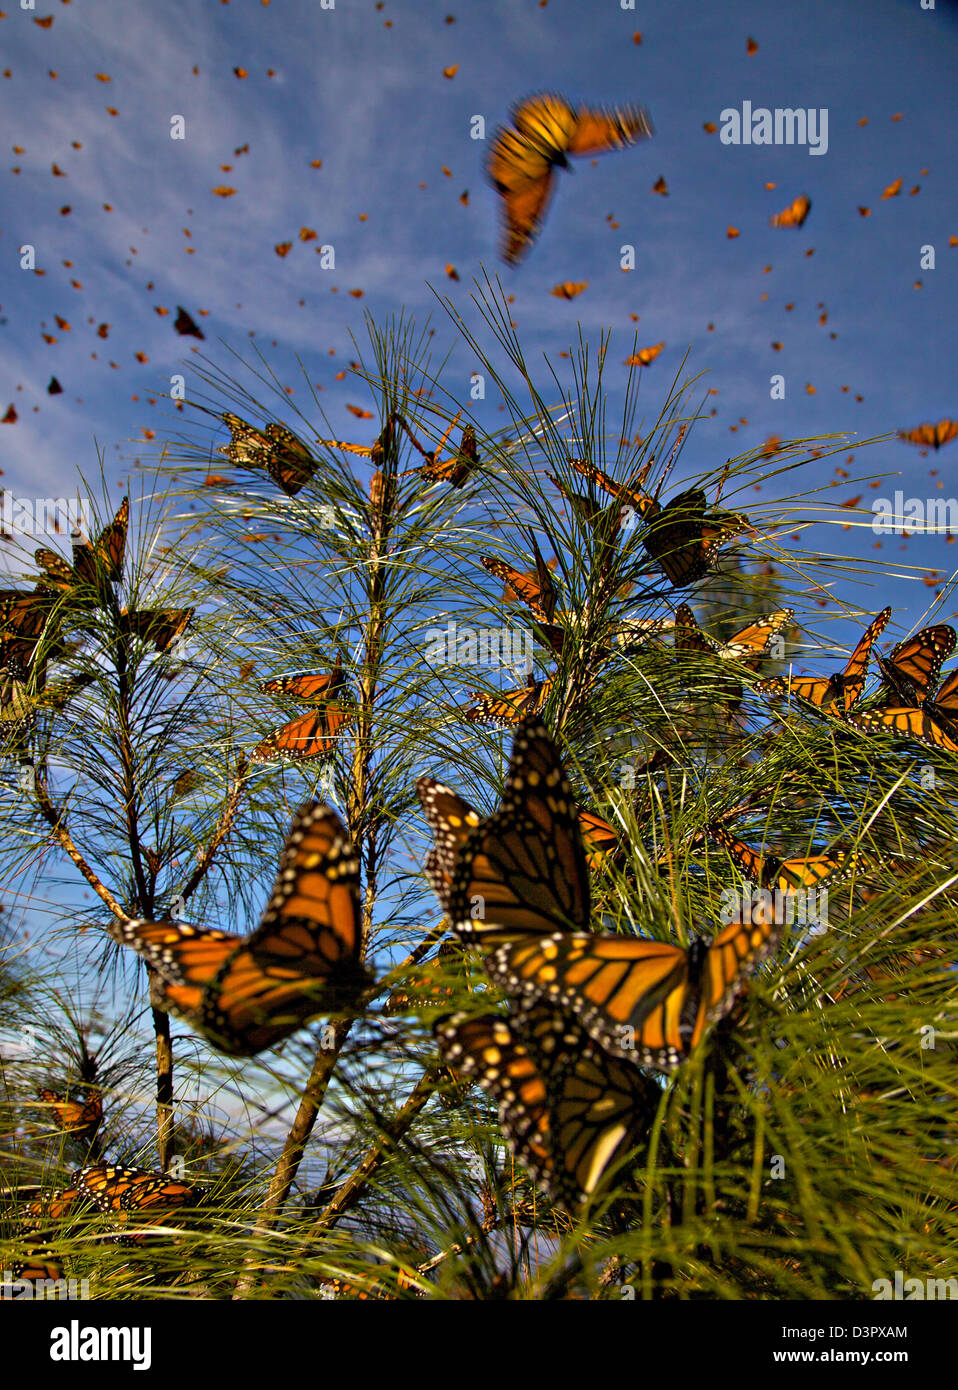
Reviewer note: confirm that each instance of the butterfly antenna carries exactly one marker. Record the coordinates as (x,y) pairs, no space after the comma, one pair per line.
(722,480)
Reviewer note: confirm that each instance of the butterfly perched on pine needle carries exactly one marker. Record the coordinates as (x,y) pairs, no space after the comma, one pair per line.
(23,618)
(161,626)
(912,670)
(847,685)
(647,1002)
(682,537)
(50,1206)
(569,1111)
(523,869)
(908,722)
(536,588)
(790,875)
(96,565)
(794,215)
(453,470)
(17,707)
(931,436)
(275,448)
(943,708)
(633,633)
(507,708)
(134,1195)
(75,1116)
(304,958)
(428,986)
(312,735)
(545,130)
(28,1271)
(747,646)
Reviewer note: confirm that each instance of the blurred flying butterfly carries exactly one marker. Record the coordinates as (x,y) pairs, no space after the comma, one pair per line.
(913,668)
(545,131)
(185,325)
(794,215)
(847,685)
(645,356)
(304,958)
(523,869)
(568,1110)
(503,710)
(931,436)
(647,1002)
(75,1115)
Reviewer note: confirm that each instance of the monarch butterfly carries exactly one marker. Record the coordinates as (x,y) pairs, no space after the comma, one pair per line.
(787,875)
(645,356)
(247,993)
(423,988)
(907,722)
(312,687)
(681,537)
(17,708)
(523,869)
(847,685)
(568,1110)
(633,633)
(186,325)
(275,448)
(748,645)
(647,1002)
(161,626)
(944,707)
(28,1271)
(92,563)
(75,1116)
(547,130)
(794,215)
(913,668)
(931,436)
(53,1206)
(536,590)
(684,540)
(451,818)
(453,470)
(503,710)
(311,735)
(129,1192)
(23,617)
(113,1187)
(569,289)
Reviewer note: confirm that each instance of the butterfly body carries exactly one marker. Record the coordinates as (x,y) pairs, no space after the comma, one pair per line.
(845,686)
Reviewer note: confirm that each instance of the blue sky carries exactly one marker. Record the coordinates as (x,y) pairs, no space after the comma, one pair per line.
(372,104)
